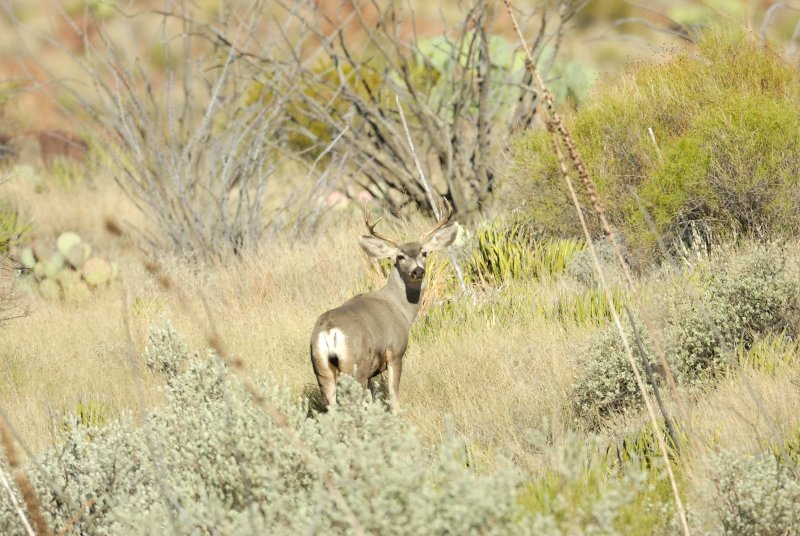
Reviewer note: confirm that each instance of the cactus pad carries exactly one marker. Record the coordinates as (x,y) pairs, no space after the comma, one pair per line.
(67,278)
(53,265)
(27,258)
(97,271)
(49,289)
(78,254)
(66,242)
(78,291)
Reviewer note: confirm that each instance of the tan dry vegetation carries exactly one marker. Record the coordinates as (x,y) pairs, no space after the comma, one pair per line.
(730,416)
(488,375)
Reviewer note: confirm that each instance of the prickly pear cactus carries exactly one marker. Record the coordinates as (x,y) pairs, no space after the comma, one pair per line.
(67,278)
(49,289)
(66,241)
(74,250)
(53,265)
(69,272)
(27,258)
(97,271)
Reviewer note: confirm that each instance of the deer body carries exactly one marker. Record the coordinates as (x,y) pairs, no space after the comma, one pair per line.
(368,334)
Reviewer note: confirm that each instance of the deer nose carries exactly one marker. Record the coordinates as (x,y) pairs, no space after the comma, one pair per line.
(417,273)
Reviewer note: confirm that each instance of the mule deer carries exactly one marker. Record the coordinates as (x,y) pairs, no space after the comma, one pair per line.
(369,333)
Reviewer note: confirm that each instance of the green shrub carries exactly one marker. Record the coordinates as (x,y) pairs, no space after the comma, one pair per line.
(605,382)
(758,495)
(746,294)
(211,461)
(724,116)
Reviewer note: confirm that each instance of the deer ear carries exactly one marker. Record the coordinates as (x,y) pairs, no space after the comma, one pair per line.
(442,237)
(377,248)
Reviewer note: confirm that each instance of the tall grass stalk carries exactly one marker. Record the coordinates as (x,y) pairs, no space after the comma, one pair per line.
(14,502)
(558,130)
(23,482)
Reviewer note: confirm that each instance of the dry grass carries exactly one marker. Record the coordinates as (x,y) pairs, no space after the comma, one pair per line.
(495,379)
(487,377)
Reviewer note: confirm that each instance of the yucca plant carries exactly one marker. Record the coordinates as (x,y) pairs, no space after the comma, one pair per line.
(590,306)
(509,250)
(641,446)
(769,353)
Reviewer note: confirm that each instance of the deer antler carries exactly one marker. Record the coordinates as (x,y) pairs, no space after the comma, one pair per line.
(371,228)
(445,215)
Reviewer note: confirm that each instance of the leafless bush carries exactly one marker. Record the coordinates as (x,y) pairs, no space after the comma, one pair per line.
(248,88)
(463,91)
(178,136)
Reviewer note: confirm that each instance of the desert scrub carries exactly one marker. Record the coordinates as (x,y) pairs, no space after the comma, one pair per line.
(757,495)
(742,303)
(741,296)
(582,268)
(211,461)
(724,116)
(166,351)
(12,229)
(605,384)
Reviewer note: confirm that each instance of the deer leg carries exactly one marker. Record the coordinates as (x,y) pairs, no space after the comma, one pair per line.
(327,385)
(394,367)
(327,374)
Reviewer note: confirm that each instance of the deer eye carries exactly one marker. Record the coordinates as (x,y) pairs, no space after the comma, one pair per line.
(424,254)
(401,257)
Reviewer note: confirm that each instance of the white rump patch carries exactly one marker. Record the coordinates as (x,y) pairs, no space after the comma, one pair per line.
(331,343)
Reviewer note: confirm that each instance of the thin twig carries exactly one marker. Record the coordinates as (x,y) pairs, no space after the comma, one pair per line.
(429,192)
(23,482)
(648,370)
(15,504)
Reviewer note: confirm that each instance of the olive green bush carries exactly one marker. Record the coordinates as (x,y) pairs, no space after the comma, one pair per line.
(724,155)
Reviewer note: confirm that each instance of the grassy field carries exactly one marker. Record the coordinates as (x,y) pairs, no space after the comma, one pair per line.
(493,367)
(520,413)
